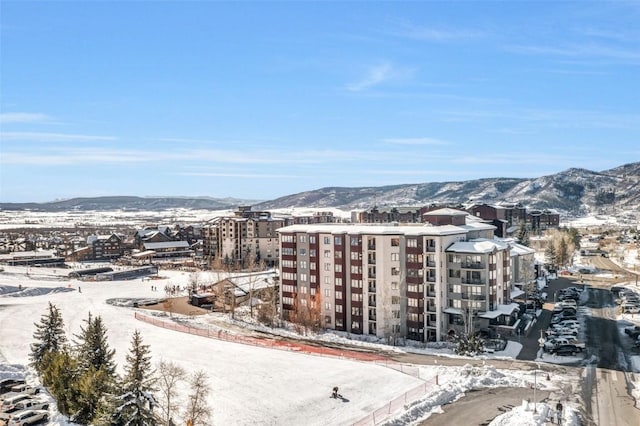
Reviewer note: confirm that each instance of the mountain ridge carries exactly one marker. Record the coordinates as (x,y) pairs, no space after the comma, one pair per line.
(573,191)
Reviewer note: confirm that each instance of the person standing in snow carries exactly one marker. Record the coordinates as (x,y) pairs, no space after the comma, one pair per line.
(334,394)
(559,412)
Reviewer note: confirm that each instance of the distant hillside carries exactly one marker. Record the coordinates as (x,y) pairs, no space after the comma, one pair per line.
(576,191)
(130,203)
(573,191)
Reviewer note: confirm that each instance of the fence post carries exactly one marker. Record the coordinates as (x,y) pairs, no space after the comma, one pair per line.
(437,384)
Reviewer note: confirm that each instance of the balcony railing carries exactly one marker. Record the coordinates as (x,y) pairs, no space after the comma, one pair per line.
(430,264)
(470,296)
(431,249)
(431,308)
(473,265)
(430,279)
(372,289)
(473,281)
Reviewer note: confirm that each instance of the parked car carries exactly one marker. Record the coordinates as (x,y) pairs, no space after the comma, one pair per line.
(29,417)
(6,384)
(27,404)
(27,389)
(633,332)
(628,308)
(566,350)
(562,340)
(11,401)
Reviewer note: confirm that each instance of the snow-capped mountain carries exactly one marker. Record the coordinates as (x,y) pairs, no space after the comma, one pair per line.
(573,190)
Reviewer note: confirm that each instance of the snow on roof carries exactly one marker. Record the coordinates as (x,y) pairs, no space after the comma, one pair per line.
(415,229)
(516,292)
(519,250)
(446,212)
(166,244)
(500,310)
(451,310)
(476,246)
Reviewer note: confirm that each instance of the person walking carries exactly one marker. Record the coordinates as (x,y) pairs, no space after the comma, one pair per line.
(559,412)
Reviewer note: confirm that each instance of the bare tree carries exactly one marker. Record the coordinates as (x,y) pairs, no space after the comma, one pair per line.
(198,411)
(169,375)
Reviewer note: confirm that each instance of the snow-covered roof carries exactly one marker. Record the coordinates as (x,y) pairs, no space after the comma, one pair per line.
(454,311)
(415,229)
(446,212)
(477,246)
(500,310)
(166,244)
(520,250)
(516,292)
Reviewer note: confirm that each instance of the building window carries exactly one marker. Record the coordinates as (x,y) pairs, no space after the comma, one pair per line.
(394,285)
(303,264)
(327,240)
(355,325)
(312,239)
(337,241)
(338,255)
(338,267)
(395,256)
(303,238)
(338,322)
(395,300)
(412,242)
(327,253)
(327,293)
(327,306)
(339,282)
(356,311)
(339,309)
(303,252)
(338,295)
(395,242)
(395,271)
(356,297)
(356,283)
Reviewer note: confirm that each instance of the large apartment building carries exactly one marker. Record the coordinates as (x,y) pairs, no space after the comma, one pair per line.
(416,281)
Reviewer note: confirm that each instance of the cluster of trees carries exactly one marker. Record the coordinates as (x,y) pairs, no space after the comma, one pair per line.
(561,243)
(81,375)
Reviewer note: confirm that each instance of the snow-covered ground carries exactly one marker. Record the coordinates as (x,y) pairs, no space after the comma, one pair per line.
(253,385)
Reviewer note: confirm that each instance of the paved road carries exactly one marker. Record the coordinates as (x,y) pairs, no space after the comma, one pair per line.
(480,407)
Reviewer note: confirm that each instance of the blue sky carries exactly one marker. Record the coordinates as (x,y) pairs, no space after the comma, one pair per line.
(258,100)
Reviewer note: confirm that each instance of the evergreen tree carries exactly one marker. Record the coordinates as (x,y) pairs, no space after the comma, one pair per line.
(97,369)
(50,338)
(92,347)
(563,252)
(523,235)
(575,237)
(60,378)
(137,401)
(550,253)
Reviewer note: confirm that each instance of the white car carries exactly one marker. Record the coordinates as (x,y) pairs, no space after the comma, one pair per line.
(29,417)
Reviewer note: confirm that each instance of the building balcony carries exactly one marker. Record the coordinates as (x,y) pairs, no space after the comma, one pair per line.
(371,261)
(469,296)
(473,281)
(430,249)
(373,276)
(473,265)
(431,308)
(430,279)
(431,294)
(430,264)
(372,289)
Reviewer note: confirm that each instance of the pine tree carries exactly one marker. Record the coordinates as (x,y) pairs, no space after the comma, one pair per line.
(550,253)
(92,347)
(97,369)
(137,401)
(60,377)
(50,338)
(523,235)
(563,252)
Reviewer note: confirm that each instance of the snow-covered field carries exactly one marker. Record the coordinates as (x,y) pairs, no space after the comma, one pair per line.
(250,385)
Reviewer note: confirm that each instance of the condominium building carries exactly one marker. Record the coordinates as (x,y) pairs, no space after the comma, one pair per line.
(416,281)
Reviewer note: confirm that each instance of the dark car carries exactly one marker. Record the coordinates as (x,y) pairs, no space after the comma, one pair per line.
(565,350)
(7,384)
(633,332)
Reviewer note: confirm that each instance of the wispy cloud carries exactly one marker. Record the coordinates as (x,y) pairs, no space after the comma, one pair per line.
(380,74)
(439,34)
(23,117)
(239,175)
(577,50)
(415,141)
(52,137)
